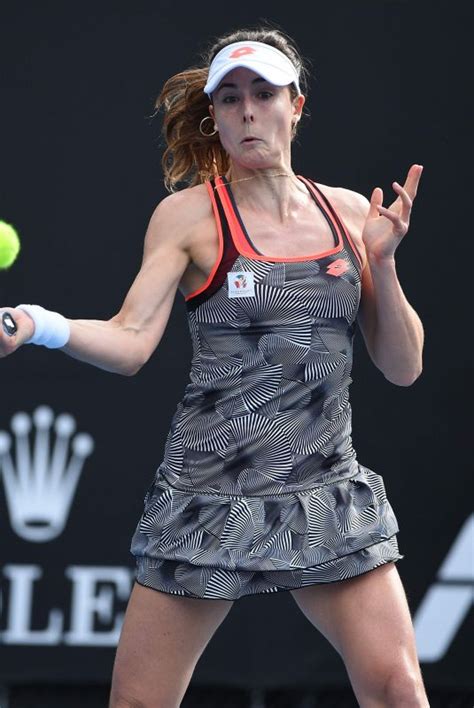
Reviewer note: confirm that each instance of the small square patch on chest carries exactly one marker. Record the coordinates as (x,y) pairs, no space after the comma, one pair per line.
(241,283)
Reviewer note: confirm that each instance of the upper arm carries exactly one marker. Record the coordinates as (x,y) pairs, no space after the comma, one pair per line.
(147,305)
(367,314)
(355,209)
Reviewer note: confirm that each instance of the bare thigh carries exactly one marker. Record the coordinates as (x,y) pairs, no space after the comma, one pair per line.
(162,638)
(367,620)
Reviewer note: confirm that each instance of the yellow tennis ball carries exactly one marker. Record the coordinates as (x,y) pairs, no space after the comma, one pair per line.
(9,245)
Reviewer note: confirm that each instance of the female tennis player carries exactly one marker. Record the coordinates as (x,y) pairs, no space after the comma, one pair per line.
(259,488)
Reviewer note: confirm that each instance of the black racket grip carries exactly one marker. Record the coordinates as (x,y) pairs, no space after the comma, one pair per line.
(9,324)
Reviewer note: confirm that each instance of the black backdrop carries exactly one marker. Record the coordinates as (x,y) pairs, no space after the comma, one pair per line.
(80,178)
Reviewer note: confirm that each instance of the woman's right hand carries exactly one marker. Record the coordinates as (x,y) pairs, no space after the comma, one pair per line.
(123,343)
(25,330)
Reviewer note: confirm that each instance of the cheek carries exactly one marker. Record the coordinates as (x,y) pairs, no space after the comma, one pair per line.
(277,117)
(228,143)
(225,135)
(228,132)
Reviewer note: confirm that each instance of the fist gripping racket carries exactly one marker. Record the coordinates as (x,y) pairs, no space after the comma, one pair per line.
(9,249)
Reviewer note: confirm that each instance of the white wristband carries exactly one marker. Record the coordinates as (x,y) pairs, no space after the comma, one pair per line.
(51,329)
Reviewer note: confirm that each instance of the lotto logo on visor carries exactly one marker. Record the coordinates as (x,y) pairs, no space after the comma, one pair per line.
(265,60)
(241,52)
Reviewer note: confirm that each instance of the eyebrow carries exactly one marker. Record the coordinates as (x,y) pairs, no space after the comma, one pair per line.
(259,79)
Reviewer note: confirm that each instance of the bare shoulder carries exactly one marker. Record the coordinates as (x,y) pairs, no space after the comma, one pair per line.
(195,198)
(347,199)
(176,215)
(353,208)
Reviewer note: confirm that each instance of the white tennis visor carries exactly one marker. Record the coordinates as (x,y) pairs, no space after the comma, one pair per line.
(269,62)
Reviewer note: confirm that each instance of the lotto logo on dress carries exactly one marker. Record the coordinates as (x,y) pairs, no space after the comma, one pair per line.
(338,267)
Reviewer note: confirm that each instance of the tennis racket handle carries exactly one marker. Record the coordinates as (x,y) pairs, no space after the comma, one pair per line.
(9,324)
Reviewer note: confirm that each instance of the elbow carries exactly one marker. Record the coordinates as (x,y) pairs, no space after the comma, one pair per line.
(130,371)
(415,377)
(405,379)
(133,367)
(130,367)
(134,354)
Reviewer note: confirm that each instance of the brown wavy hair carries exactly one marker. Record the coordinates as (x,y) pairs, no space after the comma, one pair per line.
(189,156)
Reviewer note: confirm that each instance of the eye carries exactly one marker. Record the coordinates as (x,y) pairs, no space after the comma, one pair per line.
(230,98)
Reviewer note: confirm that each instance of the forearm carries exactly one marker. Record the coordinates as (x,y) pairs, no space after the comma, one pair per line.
(107,344)
(398,335)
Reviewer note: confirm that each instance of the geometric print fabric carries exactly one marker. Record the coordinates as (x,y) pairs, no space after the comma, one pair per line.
(260,489)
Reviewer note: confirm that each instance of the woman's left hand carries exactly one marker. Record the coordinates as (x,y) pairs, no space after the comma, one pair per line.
(384,228)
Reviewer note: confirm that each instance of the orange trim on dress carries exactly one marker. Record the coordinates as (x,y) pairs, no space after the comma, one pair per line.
(221,247)
(353,246)
(243,246)
(346,231)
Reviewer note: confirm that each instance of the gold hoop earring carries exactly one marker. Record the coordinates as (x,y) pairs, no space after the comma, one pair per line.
(208,135)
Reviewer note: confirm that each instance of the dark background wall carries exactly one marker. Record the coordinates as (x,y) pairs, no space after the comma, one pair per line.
(81,177)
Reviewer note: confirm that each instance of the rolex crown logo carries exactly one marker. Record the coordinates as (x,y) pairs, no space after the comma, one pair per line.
(40,479)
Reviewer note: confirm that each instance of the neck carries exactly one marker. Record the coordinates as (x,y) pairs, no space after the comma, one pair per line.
(274,190)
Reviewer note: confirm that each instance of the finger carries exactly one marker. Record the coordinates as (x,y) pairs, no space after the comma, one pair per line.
(406,202)
(410,187)
(413,179)
(375,200)
(394,218)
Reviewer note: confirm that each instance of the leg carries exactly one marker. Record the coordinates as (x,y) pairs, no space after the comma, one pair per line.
(161,641)
(367,620)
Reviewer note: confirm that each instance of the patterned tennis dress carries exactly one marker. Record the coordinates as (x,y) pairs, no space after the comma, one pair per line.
(260,489)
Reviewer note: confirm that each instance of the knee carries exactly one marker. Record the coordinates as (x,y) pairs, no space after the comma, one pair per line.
(404,687)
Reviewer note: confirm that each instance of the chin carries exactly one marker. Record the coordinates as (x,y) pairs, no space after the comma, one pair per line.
(257,163)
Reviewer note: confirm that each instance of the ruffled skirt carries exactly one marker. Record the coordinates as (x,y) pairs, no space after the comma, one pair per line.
(216,546)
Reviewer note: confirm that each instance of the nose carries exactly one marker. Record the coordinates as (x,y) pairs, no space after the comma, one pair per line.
(248,111)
